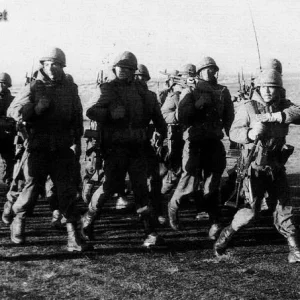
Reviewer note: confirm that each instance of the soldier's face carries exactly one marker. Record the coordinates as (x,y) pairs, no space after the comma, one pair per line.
(208,73)
(3,86)
(54,70)
(269,93)
(124,73)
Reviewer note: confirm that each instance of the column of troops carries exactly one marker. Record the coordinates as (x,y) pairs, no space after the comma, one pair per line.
(166,145)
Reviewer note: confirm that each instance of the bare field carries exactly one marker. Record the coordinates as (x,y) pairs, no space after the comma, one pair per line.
(184,268)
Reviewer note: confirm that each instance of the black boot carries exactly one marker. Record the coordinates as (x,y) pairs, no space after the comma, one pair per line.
(223,240)
(294,246)
(86,225)
(173,217)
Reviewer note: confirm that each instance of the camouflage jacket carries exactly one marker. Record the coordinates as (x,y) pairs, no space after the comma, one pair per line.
(124,111)
(274,139)
(61,125)
(205,111)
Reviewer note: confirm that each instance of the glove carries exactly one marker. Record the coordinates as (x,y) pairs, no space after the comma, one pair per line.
(118,113)
(42,105)
(270,117)
(258,128)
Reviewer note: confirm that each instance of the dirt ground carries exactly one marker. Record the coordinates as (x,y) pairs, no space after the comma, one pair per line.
(119,267)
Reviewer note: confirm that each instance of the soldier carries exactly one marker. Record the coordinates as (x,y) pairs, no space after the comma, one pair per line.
(265,119)
(154,180)
(123,112)
(203,112)
(7,130)
(51,107)
(174,139)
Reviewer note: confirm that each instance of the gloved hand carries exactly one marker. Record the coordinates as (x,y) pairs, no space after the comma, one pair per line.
(118,112)
(258,128)
(42,105)
(270,117)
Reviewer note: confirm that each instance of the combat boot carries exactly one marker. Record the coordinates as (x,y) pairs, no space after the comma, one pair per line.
(153,239)
(17,230)
(220,245)
(7,215)
(74,242)
(56,219)
(294,246)
(86,225)
(173,217)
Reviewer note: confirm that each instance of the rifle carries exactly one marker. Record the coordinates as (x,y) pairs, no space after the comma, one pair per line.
(242,170)
(170,139)
(183,81)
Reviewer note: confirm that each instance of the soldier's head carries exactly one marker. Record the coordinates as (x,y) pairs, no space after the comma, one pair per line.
(53,63)
(270,85)
(142,73)
(275,64)
(5,82)
(188,70)
(207,69)
(125,65)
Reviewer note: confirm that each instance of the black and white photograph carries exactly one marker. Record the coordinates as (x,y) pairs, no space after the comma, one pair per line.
(150,149)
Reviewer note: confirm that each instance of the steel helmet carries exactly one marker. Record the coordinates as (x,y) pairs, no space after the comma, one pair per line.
(126,60)
(142,70)
(4,77)
(275,64)
(56,55)
(270,77)
(207,62)
(188,69)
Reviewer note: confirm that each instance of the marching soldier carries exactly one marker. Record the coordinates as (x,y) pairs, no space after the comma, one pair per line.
(51,107)
(123,112)
(154,180)
(7,130)
(262,123)
(203,112)
(174,137)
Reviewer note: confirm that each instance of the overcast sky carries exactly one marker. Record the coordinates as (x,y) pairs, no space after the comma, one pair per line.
(163,34)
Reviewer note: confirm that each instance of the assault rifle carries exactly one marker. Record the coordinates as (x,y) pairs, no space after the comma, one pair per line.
(242,169)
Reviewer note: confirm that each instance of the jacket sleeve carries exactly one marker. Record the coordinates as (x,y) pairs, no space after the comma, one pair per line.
(78,117)
(240,126)
(169,110)
(291,113)
(157,118)
(186,108)
(228,113)
(100,110)
(23,99)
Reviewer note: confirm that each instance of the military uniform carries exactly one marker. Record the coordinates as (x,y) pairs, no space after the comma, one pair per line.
(173,163)
(266,176)
(123,112)
(7,132)
(53,112)
(203,112)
